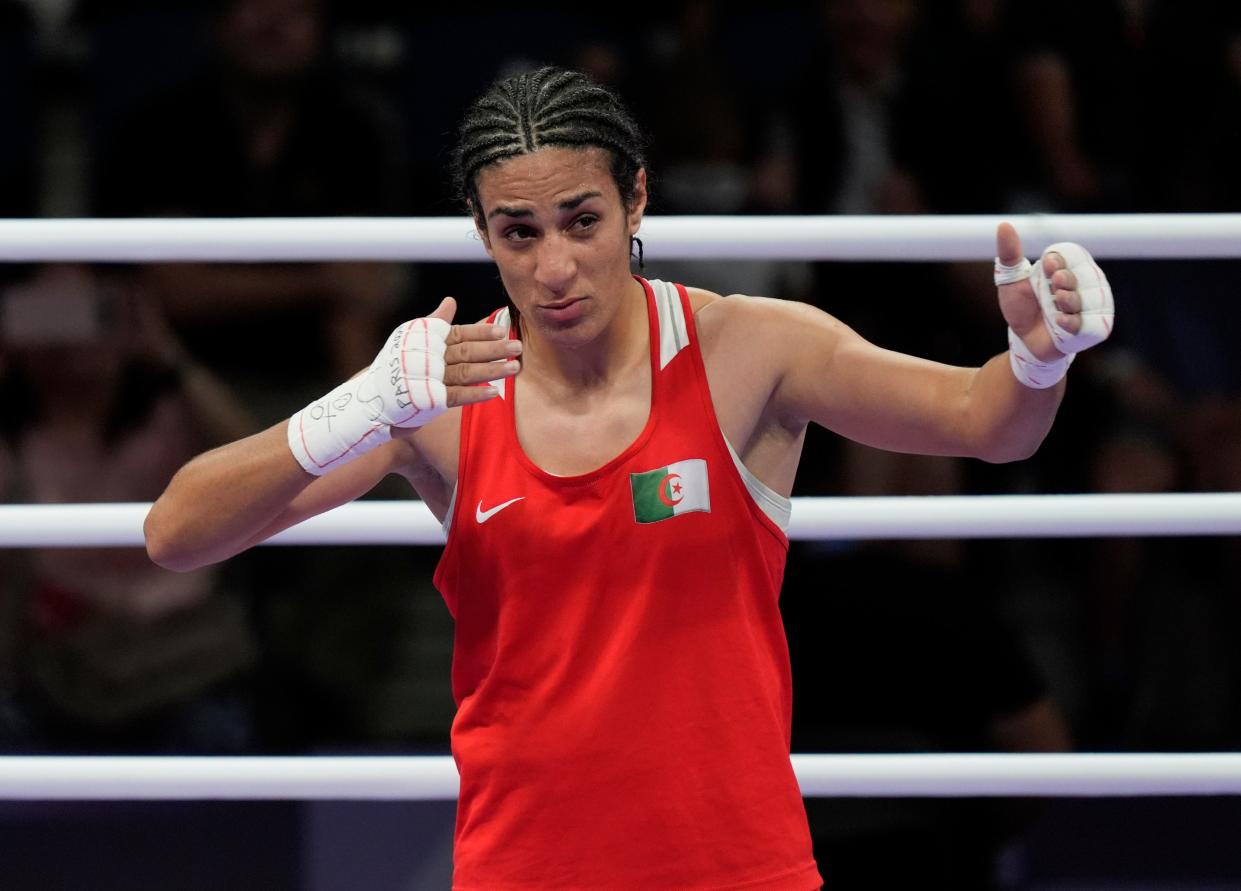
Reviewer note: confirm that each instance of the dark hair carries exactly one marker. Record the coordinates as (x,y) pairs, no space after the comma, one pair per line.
(548,107)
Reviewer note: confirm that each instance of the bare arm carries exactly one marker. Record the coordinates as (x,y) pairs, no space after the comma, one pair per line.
(830,375)
(230,498)
(905,404)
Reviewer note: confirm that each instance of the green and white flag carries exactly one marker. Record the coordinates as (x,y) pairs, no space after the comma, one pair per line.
(676,489)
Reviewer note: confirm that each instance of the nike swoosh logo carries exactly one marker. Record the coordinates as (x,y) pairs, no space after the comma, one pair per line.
(484,515)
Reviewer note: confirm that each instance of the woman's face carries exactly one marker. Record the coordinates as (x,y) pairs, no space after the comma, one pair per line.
(557,228)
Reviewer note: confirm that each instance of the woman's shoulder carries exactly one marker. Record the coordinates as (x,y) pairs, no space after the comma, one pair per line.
(763,329)
(735,312)
(729,326)
(700,298)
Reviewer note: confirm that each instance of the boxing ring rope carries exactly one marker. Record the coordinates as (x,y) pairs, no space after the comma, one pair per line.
(907,517)
(452,239)
(434,778)
(911,238)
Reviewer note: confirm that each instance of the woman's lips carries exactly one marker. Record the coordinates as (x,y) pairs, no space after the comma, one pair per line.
(564,310)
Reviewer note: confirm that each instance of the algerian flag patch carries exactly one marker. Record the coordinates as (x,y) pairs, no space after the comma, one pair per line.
(676,489)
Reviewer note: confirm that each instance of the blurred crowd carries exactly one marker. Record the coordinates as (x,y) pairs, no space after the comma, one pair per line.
(111,376)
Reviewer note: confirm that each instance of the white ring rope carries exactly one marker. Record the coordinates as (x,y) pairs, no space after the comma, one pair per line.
(435,778)
(776,238)
(963,237)
(987,516)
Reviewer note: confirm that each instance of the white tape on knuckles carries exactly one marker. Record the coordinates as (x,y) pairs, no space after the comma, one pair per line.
(1098,309)
(403,387)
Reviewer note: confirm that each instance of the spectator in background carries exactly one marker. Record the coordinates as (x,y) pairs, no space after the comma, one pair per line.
(843,151)
(866,149)
(272,129)
(102,405)
(267,131)
(917,671)
(1084,90)
(1157,656)
(866,121)
(691,99)
(690,92)
(1087,93)
(883,120)
(1196,161)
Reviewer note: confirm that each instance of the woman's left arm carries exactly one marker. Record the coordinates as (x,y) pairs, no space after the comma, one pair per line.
(829,374)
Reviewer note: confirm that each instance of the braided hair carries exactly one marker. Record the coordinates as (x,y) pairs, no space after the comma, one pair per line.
(548,107)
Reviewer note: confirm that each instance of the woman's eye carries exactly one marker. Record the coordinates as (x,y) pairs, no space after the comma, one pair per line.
(585,222)
(518,233)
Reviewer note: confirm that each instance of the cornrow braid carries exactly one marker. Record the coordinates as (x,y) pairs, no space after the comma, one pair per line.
(548,107)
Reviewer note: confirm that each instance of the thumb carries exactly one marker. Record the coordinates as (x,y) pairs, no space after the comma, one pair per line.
(445,311)
(1008,245)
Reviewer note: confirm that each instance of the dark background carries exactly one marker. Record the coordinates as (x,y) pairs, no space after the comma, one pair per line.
(289,107)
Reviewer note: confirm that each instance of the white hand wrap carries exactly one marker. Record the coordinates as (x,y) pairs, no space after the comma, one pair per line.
(1097,314)
(404,387)
(1032,371)
(1098,310)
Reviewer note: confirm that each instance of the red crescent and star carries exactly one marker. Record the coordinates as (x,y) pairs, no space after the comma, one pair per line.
(670,490)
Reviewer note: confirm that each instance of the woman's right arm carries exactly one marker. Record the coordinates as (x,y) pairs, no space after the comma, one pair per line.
(329,453)
(235,496)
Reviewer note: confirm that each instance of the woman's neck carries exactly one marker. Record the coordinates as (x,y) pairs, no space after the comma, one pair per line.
(623,343)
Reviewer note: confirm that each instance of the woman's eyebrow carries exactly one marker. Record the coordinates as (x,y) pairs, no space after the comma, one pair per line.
(503,210)
(570,203)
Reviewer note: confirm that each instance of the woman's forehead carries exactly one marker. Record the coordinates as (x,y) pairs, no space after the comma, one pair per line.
(546,176)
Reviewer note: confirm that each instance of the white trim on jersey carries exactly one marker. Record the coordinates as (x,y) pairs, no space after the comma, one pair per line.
(777,508)
(673,335)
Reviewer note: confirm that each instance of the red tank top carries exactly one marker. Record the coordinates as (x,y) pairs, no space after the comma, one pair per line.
(620,667)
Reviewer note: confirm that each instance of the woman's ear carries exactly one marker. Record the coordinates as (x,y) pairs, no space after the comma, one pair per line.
(637,206)
(480,225)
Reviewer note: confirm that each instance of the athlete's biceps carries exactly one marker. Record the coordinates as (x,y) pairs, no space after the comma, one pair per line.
(818,356)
